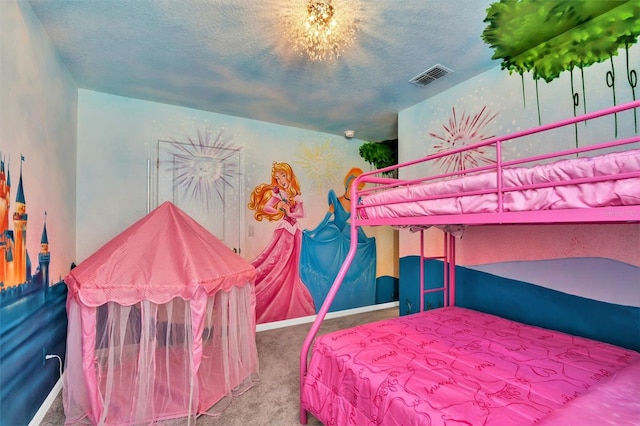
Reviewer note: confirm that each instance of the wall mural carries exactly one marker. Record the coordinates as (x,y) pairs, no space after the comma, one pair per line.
(297,268)
(15,263)
(548,38)
(201,166)
(320,163)
(544,39)
(464,131)
(34,324)
(280,294)
(325,248)
(201,175)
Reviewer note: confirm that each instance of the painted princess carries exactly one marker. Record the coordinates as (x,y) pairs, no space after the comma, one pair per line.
(280,294)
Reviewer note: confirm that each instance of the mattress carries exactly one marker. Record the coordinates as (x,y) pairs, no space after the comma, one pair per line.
(409,201)
(453,366)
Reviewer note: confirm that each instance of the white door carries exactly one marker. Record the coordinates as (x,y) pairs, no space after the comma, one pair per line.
(205,182)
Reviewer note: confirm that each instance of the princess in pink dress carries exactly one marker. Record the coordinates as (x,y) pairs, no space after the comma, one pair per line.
(280,294)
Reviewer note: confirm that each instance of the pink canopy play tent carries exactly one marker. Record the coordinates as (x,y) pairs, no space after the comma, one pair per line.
(161,325)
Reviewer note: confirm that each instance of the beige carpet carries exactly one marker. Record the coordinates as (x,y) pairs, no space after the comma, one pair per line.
(274,399)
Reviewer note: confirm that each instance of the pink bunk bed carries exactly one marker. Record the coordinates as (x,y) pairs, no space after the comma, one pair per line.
(454,365)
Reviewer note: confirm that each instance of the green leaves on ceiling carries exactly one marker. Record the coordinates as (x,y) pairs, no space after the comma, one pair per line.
(547,37)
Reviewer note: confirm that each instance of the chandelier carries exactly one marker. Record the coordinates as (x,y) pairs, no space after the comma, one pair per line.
(322,29)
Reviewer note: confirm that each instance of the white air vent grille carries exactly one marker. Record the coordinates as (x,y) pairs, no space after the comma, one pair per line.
(432,74)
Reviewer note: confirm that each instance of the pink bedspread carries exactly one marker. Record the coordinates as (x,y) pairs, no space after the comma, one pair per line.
(452,366)
(399,202)
(617,403)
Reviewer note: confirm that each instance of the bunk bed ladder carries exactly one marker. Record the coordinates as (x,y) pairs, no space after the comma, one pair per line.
(449,265)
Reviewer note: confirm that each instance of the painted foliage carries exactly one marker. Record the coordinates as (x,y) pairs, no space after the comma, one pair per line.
(546,38)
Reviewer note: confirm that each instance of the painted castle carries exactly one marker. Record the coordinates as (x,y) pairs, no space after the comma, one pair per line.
(15,264)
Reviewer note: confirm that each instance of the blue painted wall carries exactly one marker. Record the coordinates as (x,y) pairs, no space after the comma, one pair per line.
(32,326)
(524,302)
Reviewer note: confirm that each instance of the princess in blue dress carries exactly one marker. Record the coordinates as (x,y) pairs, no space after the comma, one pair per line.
(325,248)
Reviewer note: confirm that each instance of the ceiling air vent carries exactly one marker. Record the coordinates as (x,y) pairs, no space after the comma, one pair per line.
(432,74)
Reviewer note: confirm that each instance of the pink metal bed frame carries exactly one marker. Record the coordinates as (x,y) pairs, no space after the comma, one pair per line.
(611,214)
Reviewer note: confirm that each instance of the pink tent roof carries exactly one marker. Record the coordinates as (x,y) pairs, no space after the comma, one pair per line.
(164,255)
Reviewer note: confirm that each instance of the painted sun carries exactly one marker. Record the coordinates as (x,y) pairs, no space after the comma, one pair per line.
(203,167)
(320,163)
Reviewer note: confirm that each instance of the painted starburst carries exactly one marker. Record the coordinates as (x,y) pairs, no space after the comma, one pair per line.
(320,163)
(202,167)
(464,131)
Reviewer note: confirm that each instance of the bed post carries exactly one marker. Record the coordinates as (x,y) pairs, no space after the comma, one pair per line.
(445,272)
(421,286)
(449,273)
(451,260)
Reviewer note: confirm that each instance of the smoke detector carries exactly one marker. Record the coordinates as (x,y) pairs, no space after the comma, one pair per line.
(432,74)
(349,134)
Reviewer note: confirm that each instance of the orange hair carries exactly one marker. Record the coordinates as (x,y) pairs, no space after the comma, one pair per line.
(350,177)
(262,193)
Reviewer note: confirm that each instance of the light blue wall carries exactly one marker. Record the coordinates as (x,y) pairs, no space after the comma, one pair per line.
(38,100)
(116,137)
(514,103)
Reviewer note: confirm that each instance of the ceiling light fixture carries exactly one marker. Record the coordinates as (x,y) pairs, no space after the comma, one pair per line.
(322,29)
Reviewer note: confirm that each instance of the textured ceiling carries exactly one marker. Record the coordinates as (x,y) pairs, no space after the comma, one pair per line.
(230,57)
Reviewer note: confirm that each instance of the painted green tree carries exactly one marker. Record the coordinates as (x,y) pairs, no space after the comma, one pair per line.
(381,154)
(547,37)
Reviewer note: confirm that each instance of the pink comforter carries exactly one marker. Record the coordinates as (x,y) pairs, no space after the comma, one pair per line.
(452,366)
(616,403)
(400,202)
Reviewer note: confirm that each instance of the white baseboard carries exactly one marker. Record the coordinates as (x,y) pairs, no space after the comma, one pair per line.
(337,314)
(46,405)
